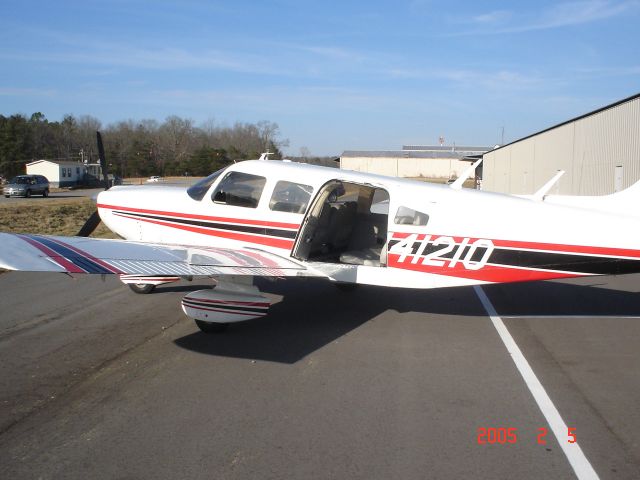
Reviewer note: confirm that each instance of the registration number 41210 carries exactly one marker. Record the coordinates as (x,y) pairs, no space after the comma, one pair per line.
(438,251)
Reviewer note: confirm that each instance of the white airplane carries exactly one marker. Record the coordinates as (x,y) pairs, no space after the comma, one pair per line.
(281,219)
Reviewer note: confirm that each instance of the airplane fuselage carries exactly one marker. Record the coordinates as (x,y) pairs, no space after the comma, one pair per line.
(362,228)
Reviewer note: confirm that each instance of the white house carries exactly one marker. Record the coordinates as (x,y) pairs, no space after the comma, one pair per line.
(60,173)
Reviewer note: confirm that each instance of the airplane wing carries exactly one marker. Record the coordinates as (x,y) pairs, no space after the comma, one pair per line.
(40,253)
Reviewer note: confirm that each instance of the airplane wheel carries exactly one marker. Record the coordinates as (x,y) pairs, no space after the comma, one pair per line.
(141,288)
(346,287)
(210,327)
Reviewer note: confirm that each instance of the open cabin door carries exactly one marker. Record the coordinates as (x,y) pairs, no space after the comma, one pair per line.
(346,224)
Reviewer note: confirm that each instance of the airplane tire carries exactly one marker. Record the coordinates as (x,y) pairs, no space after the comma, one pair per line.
(210,327)
(141,288)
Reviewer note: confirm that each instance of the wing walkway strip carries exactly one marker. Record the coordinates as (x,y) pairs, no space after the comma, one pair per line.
(573,452)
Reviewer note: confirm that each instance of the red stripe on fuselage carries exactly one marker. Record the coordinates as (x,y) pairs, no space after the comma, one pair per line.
(488,273)
(551,247)
(241,221)
(271,242)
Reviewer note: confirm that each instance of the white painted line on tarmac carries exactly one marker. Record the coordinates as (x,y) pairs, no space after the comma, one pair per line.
(573,452)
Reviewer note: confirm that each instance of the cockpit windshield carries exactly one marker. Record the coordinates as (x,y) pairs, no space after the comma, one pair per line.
(198,190)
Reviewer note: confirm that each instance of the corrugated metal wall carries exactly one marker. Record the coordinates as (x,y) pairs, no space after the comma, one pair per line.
(406,167)
(588,149)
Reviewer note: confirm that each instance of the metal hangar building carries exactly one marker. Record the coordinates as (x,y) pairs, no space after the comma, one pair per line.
(413,161)
(599,152)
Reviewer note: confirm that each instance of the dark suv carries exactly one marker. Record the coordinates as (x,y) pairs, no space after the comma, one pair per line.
(27,185)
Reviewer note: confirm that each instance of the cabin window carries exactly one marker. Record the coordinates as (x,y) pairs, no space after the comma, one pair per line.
(198,190)
(380,202)
(290,197)
(239,189)
(408,216)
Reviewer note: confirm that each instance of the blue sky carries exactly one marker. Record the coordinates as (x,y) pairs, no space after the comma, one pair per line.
(334,75)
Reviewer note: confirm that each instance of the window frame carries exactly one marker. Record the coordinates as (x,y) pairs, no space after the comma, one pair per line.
(302,186)
(199,190)
(251,198)
(414,214)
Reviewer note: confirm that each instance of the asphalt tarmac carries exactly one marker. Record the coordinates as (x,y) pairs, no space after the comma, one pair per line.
(97,382)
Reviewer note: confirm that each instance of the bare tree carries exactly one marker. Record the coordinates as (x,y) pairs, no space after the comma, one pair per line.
(40,135)
(305,153)
(136,147)
(209,132)
(268,133)
(176,138)
(86,128)
(67,133)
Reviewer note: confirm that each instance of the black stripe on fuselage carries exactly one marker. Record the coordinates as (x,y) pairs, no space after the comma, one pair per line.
(563,262)
(273,232)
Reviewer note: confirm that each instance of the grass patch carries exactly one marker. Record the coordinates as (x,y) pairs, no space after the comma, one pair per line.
(50,216)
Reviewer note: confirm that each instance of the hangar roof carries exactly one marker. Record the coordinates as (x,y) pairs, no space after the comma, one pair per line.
(447,148)
(442,154)
(580,117)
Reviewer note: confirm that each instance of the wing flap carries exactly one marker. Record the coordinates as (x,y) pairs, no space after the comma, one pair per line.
(40,253)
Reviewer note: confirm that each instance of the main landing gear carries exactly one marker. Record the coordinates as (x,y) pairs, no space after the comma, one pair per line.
(143,285)
(210,327)
(232,300)
(142,288)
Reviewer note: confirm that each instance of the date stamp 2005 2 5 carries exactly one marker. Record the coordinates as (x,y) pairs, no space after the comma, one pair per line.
(509,435)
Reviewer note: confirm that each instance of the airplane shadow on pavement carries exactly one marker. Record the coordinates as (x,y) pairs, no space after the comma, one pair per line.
(313,313)
(596,297)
